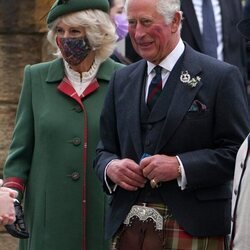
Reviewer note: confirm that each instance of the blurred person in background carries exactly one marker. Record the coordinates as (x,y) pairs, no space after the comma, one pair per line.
(119,17)
(57,128)
(224,14)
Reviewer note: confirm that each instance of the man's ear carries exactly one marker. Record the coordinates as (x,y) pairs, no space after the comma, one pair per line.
(176,22)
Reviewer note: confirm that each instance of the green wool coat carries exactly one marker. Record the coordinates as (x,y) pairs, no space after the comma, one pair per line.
(46,154)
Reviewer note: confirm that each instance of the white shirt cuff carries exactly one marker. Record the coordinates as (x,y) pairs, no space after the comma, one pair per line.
(113,188)
(182,180)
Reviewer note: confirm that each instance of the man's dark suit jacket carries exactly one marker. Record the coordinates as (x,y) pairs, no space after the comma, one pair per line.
(204,125)
(234,46)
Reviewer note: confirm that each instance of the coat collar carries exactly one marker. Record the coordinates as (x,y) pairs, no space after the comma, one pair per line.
(66,87)
(243,153)
(136,81)
(56,71)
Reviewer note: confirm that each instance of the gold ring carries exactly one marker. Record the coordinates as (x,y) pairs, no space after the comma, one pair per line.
(153,183)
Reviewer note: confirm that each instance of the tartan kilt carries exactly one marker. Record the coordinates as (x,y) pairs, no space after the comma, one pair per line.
(142,235)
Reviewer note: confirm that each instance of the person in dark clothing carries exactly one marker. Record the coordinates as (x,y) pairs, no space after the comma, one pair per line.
(170,128)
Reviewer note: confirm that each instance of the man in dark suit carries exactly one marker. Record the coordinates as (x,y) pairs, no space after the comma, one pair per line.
(231,46)
(168,166)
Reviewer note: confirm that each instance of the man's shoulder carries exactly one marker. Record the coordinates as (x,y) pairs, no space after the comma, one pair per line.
(139,65)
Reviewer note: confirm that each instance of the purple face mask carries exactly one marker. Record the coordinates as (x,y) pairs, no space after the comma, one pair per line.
(74,50)
(121,23)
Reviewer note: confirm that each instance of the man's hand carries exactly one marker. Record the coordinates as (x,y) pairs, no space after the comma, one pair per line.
(127,174)
(160,168)
(18,228)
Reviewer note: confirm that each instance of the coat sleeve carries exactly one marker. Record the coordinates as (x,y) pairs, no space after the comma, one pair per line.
(108,148)
(18,162)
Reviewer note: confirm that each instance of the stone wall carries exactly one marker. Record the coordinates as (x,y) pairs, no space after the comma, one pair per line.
(22,41)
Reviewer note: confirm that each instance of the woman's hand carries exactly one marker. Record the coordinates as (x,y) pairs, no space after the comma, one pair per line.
(7,210)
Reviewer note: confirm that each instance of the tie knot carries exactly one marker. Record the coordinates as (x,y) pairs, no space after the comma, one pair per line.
(157,70)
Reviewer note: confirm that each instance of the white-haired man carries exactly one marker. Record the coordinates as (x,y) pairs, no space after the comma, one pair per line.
(168,162)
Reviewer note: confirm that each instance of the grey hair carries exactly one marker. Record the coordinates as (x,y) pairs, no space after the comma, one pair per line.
(166,8)
(99,28)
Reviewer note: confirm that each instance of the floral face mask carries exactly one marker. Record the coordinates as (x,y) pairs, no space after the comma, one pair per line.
(74,50)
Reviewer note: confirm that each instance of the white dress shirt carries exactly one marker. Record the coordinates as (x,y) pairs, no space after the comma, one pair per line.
(167,65)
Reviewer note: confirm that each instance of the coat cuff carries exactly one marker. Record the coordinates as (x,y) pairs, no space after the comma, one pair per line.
(15,183)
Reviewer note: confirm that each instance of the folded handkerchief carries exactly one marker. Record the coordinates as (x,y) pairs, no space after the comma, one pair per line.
(197,106)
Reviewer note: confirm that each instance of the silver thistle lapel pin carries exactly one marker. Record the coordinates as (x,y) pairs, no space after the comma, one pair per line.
(186,78)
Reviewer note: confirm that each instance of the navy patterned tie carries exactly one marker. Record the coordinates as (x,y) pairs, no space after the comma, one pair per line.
(209,36)
(155,87)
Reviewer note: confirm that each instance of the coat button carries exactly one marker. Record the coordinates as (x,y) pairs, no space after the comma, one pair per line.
(242,165)
(75,176)
(76,141)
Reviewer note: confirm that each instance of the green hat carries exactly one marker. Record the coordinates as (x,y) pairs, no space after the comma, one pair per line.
(62,7)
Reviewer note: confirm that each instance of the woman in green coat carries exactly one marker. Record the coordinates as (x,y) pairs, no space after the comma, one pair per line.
(57,129)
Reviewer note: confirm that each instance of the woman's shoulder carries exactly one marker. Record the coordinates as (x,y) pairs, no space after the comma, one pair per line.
(107,68)
(110,63)
(45,65)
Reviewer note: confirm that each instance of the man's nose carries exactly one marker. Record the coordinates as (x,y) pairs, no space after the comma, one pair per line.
(139,31)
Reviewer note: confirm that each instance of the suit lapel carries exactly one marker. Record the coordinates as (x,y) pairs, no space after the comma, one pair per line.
(136,81)
(182,95)
(191,19)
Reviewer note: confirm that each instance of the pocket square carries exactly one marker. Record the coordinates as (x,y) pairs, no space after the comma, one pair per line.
(197,106)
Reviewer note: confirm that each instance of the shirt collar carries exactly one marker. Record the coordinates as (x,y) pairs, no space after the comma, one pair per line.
(169,62)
